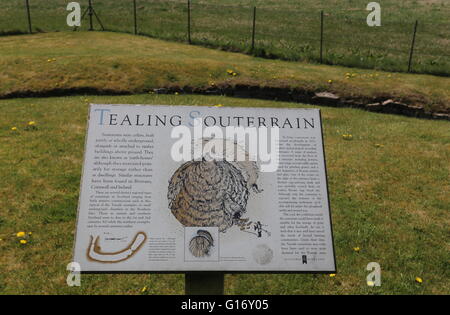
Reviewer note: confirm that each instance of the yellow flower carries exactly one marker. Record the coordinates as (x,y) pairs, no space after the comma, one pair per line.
(20,234)
(330,81)
(378,145)
(144,289)
(23,242)
(356,249)
(419,280)
(29,233)
(370,283)
(14,128)
(176,93)
(234,74)
(332,275)
(218,105)
(31,123)
(229,71)
(347,137)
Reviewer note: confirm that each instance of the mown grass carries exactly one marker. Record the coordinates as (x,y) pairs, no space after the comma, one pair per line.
(389,191)
(121,63)
(285,29)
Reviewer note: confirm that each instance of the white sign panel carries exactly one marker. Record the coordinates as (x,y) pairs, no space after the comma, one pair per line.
(159,194)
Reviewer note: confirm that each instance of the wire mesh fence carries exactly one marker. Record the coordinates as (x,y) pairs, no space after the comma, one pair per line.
(279,33)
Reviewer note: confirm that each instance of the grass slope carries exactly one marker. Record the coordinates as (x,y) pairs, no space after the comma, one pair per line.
(389,191)
(284,28)
(134,64)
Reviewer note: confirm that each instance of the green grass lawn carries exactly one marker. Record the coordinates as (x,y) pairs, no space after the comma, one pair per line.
(389,193)
(122,63)
(285,29)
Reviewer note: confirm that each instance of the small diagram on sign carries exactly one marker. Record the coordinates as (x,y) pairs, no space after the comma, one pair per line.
(201,244)
(95,252)
(255,228)
(262,254)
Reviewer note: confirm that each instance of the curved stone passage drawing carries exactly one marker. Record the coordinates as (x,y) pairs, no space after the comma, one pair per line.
(201,244)
(95,253)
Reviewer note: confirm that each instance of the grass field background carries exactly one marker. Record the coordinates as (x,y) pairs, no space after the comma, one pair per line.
(122,63)
(285,29)
(389,193)
(389,185)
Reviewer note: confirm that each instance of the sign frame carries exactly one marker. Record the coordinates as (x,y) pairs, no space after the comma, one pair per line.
(215,273)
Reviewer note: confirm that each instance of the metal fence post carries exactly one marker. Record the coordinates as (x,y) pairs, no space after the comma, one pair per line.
(135,17)
(91,24)
(189,20)
(321,36)
(412,46)
(254,28)
(27,4)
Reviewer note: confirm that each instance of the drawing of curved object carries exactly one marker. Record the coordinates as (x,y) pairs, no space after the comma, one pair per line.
(95,253)
(200,245)
(213,192)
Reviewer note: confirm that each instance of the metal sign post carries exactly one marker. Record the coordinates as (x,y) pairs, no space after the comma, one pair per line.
(204,283)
